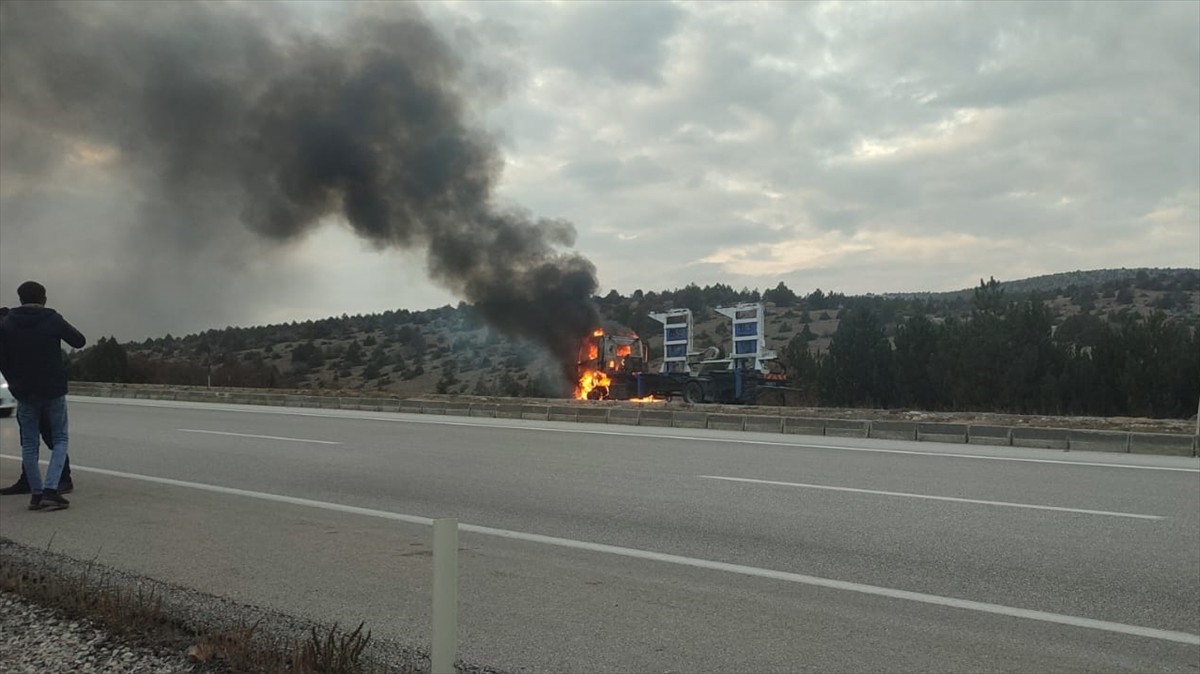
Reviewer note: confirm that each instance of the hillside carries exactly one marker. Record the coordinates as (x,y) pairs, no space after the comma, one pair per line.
(1101,280)
(450,350)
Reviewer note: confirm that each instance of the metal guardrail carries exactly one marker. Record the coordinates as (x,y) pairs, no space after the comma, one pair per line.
(1173,444)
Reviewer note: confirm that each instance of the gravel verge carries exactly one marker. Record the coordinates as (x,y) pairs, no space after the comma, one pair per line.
(36,636)
(36,639)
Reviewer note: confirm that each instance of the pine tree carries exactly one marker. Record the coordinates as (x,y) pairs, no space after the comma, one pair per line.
(860,371)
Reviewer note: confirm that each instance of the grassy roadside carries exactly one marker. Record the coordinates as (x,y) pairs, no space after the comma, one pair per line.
(140,613)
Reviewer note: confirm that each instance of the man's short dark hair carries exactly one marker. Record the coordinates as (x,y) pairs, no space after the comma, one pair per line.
(32,292)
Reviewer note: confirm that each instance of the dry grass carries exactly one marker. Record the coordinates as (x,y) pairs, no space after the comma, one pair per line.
(244,649)
(137,615)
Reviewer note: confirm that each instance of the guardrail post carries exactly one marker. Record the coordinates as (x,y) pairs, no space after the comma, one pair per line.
(445,596)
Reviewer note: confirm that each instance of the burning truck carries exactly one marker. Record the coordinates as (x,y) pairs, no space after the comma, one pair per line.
(614,363)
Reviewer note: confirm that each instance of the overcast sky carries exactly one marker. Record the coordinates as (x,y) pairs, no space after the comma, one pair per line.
(854,147)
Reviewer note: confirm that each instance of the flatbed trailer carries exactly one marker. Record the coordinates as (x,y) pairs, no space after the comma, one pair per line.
(728,387)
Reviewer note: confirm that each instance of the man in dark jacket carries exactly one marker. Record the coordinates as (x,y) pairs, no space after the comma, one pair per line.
(31,359)
(65,484)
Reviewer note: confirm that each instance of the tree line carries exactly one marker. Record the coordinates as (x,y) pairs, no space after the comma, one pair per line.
(1004,356)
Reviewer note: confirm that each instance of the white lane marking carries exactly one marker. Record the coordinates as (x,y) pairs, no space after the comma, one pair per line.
(935,498)
(786,576)
(398,417)
(251,435)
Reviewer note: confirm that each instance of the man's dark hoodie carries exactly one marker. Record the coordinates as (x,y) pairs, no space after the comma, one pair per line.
(31,351)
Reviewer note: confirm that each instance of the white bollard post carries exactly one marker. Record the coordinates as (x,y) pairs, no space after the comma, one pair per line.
(445,596)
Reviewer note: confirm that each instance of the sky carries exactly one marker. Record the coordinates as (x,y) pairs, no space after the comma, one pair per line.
(849,146)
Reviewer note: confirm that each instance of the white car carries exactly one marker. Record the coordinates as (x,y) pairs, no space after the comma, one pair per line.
(7,402)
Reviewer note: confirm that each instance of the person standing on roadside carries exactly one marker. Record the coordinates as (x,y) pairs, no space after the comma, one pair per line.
(65,484)
(31,360)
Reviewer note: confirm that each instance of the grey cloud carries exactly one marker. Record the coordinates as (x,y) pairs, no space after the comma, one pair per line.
(604,174)
(1087,120)
(624,41)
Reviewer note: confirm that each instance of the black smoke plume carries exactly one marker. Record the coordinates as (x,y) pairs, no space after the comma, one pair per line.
(238,112)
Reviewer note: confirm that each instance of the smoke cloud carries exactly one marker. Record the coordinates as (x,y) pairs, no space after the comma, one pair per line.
(236,117)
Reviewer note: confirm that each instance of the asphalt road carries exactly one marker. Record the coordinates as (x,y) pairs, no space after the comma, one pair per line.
(606,548)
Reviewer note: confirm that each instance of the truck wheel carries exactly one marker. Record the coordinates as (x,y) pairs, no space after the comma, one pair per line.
(693,392)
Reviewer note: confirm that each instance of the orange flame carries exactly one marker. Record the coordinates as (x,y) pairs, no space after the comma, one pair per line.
(598,333)
(589,381)
(647,399)
(624,350)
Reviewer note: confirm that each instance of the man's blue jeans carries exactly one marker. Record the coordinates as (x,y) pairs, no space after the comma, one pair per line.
(29,412)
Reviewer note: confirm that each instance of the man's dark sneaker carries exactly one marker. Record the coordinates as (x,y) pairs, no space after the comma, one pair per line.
(52,500)
(35,502)
(21,486)
(66,487)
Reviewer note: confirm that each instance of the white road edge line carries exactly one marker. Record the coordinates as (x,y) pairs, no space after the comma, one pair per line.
(264,437)
(786,576)
(930,497)
(391,418)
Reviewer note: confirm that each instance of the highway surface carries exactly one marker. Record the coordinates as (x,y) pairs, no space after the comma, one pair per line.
(592,548)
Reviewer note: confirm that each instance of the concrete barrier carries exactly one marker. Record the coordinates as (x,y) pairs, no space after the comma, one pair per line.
(535,412)
(487,410)
(411,406)
(726,422)
(656,418)
(301,401)
(1162,443)
(625,416)
(563,413)
(803,426)
(1040,438)
(1098,441)
(931,432)
(892,430)
(593,415)
(689,419)
(509,411)
(457,408)
(989,435)
(847,428)
(763,424)
(432,407)
(379,404)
